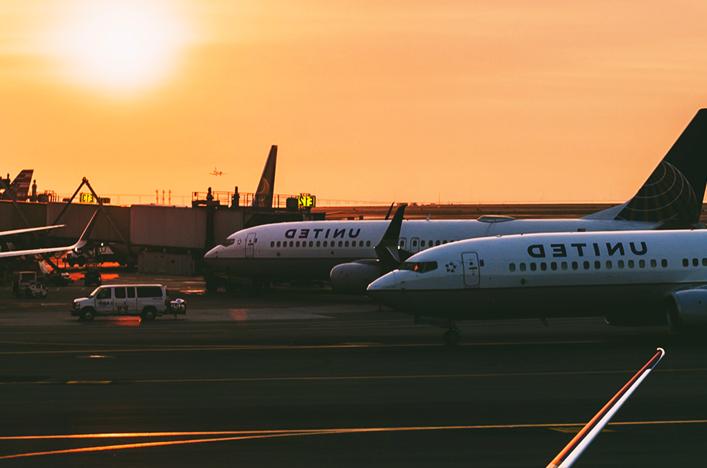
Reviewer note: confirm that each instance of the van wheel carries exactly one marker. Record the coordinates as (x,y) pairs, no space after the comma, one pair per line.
(148,314)
(87,314)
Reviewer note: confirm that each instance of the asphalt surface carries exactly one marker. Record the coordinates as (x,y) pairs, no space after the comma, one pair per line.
(309,378)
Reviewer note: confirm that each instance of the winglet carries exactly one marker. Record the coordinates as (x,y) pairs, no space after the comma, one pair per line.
(387,249)
(86,232)
(586,435)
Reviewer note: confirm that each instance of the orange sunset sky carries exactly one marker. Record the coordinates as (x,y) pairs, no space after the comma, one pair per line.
(484,101)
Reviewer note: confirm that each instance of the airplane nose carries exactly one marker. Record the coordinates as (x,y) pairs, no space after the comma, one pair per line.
(389,281)
(213,253)
(388,290)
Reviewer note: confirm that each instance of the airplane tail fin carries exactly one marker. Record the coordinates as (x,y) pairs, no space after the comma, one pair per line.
(19,188)
(266,186)
(672,195)
(387,250)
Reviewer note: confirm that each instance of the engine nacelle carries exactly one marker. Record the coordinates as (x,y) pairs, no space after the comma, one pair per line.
(354,277)
(689,308)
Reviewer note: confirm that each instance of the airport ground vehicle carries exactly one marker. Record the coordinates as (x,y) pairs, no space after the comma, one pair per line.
(26,284)
(146,300)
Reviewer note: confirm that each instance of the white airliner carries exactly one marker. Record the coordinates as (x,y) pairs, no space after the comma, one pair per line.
(629,277)
(344,251)
(45,250)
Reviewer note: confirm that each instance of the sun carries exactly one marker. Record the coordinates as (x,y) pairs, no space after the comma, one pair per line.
(118,45)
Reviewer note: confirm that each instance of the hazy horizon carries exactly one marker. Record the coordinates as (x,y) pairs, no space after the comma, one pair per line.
(390,101)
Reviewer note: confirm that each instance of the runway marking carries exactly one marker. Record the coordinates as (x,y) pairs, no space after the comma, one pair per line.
(94,356)
(172,349)
(335,378)
(88,382)
(227,436)
(104,448)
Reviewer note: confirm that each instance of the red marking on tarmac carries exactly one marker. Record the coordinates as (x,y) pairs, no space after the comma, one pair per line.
(238,315)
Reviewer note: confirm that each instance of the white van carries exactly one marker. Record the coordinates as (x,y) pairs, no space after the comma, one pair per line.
(146,300)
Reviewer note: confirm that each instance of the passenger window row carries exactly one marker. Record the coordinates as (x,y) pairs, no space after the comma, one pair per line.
(695,262)
(320,243)
(423,243)
(588,265)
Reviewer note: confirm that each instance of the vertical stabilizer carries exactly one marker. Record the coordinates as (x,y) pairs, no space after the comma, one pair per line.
(19,188)
(266,186)
(673,193)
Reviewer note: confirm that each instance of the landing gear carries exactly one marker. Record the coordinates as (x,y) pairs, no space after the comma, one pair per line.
(452,335)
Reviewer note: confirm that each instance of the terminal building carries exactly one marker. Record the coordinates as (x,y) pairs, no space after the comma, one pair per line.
(157,238)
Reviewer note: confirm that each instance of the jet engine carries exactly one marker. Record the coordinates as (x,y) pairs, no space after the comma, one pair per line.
(688,308)
(355,276)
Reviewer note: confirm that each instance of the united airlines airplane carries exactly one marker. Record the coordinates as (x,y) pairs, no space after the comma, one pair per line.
(629,277)
(344,252)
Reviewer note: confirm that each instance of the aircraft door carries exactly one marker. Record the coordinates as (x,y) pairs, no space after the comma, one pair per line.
(250,245)
(472,272)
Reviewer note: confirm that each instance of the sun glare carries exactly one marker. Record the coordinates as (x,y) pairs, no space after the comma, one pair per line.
(118,45)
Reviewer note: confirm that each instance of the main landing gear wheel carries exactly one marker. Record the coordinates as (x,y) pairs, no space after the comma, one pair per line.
(451,337)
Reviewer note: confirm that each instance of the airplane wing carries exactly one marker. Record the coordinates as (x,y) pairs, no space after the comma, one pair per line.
(15,232)
(586,435)
(47,250)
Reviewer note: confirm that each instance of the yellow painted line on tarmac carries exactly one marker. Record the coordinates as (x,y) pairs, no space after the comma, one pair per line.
(188,348)
(227,436)
(166,443)
(335,378)
(88,382)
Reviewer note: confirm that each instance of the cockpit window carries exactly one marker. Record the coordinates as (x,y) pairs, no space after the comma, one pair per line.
(228,242)
(419,267)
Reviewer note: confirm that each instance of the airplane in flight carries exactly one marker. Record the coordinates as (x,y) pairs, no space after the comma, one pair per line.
(46,250)
(216,172)
(18,189)
(344,252)
(627,277)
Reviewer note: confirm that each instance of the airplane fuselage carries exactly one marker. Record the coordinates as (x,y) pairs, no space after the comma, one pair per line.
(620,274)
(308,250)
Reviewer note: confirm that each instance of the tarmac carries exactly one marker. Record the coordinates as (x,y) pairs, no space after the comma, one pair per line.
(311,378)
